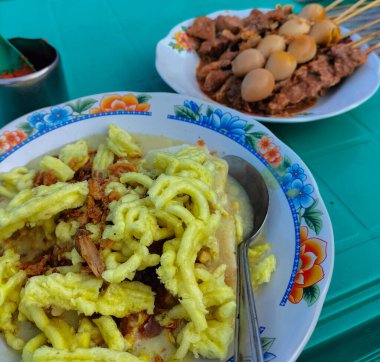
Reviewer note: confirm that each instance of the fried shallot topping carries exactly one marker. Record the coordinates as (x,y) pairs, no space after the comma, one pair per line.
(120,167)
(89,252)
(45,178)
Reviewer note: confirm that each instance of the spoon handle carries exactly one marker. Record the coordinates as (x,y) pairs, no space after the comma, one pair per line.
(247,335)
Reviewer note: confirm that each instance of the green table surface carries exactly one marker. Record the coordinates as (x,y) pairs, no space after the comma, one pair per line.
(109,45)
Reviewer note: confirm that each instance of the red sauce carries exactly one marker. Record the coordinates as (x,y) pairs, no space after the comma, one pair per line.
(18,72)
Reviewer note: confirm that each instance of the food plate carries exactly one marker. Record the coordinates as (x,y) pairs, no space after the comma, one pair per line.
(298,226)
(176,63)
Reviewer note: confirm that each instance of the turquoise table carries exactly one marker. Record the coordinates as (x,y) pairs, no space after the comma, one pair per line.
(109,45)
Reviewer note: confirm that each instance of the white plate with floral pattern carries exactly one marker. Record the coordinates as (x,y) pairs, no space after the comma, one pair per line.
(176,63)
(298,225)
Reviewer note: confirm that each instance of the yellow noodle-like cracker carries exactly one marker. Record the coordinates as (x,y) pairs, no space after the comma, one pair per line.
(39,204)
(75,155)
(111,334)
(95,354)
(16,180)
(121,143)
(103,159)
(11,280)
(59,168)
(81,292)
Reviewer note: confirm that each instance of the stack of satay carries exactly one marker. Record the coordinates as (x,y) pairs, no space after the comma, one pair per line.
(277,62)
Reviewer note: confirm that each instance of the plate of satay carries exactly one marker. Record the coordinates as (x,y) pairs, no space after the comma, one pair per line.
(275,64)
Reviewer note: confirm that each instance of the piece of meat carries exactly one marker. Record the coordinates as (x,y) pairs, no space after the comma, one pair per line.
(231,23)
(260,22)
(280,14)
(250,42)
(202,28)
(87,249)
(194,43)
(230,94)
(212,49)
(227,34)
(314,78)
(217,65)
(346,59)
(215,79)
(256,21)
(228,55)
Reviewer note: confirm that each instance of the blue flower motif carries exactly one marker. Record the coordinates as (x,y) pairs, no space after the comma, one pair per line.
(59,115)
(293,172)
(297,172)
(37,121)
(287,180)
(192,105)
(301,194)
(225,122)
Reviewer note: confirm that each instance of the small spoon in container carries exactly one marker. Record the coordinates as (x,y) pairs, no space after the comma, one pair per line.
(246,325)
(12,60)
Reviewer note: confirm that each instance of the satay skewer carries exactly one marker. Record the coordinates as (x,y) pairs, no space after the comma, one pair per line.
(365,39)
(346,6)
(333,5)
(372,48)
(357,12)
(349,10)
(360,28)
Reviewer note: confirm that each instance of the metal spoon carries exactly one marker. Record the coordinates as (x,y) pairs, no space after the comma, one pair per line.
(246,318)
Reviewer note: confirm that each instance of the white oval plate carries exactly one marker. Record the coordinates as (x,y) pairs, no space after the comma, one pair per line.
(298,225)
(176,63)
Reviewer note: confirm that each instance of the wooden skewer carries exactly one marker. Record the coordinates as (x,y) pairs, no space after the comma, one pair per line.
(364,40)
(349,10)
(372,48)
(358,11)
(333,4)
(360,28)
(346,6)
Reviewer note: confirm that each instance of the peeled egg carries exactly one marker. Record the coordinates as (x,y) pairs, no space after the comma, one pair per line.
(303,48)
(313,12)
(281,64)
(257,85)
(294,27)
(246,61)
(271,43)
(325,32)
